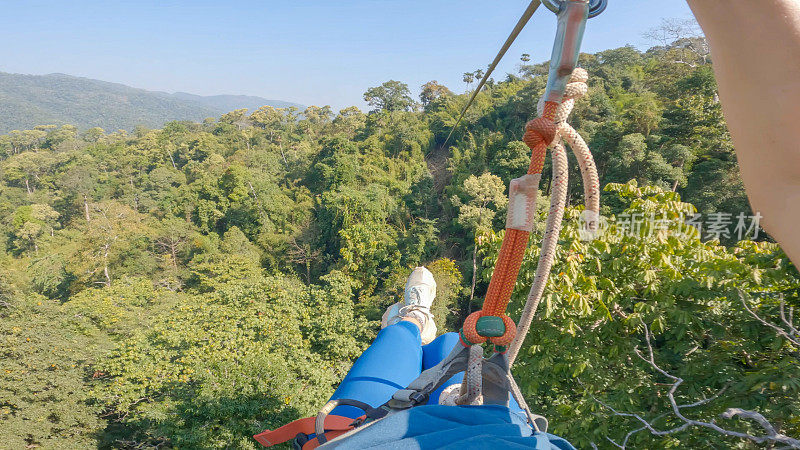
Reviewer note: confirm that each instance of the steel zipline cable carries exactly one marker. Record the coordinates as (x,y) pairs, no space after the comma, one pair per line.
(526,16)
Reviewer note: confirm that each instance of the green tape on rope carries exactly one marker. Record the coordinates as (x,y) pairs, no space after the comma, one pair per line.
(464,338)
(490,326)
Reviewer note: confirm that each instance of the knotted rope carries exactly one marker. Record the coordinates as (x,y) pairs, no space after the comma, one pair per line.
(550,129)
(577,88)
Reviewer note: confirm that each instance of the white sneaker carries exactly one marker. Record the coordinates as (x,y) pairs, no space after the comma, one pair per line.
(419,294)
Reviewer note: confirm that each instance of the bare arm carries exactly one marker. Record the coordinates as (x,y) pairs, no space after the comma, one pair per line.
(755,46)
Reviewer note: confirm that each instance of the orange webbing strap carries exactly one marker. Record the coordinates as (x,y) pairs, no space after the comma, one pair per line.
(334,426)
(539,134)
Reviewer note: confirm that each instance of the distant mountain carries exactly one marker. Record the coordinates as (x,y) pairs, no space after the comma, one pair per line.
(228,103)
(30,100)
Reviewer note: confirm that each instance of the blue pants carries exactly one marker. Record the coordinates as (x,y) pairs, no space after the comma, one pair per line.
(392,362)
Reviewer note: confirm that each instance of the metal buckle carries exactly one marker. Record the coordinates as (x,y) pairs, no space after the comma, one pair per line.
(596,7)
(418,398)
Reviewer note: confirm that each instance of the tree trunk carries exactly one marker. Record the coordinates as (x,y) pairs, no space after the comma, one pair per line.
(105,266)
(28,186)
(173,251)
(474,276)
(86,208)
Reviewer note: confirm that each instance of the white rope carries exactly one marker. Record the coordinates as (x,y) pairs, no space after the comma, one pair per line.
(577,88)
(472,387)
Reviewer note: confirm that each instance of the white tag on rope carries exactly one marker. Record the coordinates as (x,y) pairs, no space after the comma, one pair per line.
(522,194)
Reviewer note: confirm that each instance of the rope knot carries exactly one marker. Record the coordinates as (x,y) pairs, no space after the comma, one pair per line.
(542,130)
(480,327)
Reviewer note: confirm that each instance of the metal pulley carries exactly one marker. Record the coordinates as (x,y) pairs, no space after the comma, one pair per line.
(596,7)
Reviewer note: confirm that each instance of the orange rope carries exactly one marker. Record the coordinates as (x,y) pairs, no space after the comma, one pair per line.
(539,134)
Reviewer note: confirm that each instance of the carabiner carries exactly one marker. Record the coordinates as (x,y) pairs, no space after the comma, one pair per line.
(596,7)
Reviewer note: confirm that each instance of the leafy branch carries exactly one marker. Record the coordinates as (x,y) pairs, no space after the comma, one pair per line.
(771,434)
(791,333)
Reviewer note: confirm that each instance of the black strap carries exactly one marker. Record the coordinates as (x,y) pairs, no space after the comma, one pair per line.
(319,422)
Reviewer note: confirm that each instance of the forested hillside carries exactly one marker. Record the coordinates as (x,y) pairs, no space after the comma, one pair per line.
(192,285)
(27,101)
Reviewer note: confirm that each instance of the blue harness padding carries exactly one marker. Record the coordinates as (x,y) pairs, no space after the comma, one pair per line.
(451,427)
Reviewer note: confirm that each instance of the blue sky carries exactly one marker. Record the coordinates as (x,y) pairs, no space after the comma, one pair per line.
(307,51)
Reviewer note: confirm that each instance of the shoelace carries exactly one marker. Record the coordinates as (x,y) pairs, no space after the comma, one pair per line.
(414,296)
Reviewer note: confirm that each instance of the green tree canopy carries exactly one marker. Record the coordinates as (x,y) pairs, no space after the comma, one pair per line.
(390,96)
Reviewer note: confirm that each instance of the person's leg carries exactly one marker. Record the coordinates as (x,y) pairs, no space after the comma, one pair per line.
(391,363)
(435,352)
(394,359)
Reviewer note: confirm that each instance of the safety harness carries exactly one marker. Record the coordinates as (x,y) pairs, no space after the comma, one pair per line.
(489,380)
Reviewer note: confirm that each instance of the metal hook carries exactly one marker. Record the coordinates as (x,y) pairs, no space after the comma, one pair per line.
(596,7)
